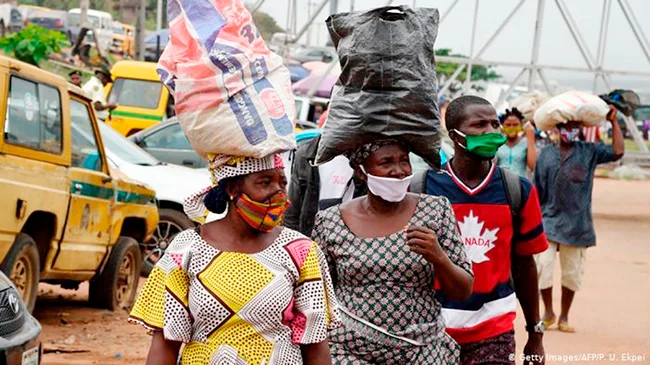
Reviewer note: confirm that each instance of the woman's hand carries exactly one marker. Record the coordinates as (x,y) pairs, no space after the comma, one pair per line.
(529,128)
(531,154)
(455,282)
(424,241)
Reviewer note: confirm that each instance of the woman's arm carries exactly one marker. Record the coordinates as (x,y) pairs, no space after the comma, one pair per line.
(531,152)
(316,353)
(456,283)
(162,351)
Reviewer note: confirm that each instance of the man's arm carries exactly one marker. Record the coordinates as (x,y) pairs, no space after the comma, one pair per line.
(524,272)
(297,190)
(101,107)
(618,143)
(530,240)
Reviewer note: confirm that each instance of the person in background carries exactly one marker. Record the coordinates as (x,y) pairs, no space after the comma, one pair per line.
(314,188)
(444,103)
(241,289)
(76,78)
(446,145)
(499,241)
(94,88)
(564,177)
(385,250)
(519,152)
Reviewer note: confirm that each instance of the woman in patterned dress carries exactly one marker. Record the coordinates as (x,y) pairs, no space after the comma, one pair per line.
(386,251)
(240,290)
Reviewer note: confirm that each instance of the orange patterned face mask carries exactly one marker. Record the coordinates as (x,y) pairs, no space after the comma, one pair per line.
(265,216)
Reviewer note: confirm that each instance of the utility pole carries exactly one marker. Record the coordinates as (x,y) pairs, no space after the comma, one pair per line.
(83,17)
(294,25)
(139,30)
(334,6)
(310,6)
(159,14)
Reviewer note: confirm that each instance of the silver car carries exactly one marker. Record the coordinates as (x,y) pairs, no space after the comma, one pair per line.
(168,143)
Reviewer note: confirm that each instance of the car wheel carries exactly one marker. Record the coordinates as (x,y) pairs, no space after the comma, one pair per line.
(116,286)
(22,265)
(171,223)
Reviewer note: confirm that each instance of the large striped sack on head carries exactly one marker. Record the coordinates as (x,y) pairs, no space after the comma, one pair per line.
(232,94)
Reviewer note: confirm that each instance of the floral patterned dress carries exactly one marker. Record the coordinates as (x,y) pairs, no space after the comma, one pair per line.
(379,281)
(232,308)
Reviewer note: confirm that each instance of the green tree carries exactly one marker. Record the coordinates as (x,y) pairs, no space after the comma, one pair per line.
(33,44)
(266,25)
(479,72)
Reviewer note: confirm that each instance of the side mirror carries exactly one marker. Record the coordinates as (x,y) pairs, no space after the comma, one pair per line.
(139,141)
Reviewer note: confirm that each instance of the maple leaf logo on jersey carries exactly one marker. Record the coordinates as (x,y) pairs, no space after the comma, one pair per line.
(478,241)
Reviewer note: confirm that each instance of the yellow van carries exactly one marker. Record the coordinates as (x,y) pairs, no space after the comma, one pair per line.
(123,39)
(142,100)
(65,217)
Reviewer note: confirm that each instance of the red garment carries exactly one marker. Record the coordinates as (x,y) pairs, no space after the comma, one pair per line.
(486,228)
(322,119)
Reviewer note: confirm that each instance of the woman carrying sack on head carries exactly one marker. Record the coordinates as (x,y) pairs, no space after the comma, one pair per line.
(242,289)
(385,250)
(519,152)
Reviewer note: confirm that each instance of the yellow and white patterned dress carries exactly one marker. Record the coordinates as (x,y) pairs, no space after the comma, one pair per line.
(239,309)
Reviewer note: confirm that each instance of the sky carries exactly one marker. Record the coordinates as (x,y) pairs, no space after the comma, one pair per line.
(557,46)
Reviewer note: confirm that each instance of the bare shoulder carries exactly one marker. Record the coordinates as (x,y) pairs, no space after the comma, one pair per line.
(350,206)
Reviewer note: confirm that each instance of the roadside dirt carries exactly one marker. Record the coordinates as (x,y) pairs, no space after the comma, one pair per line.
(610,313)
(86,335)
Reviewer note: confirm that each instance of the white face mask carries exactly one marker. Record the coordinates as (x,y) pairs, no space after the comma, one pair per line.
(388,188)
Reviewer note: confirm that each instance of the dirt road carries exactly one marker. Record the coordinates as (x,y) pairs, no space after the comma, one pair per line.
(610,313)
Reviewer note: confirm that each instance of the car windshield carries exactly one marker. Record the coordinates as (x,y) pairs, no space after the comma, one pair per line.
(118,29)
(124,149)
(74,20)
(136,93)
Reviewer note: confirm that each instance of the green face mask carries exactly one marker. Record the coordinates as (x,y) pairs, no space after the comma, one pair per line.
(484,145)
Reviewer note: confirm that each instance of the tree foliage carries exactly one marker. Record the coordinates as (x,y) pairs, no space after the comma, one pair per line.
(33,44)
(266,25)
(479,72)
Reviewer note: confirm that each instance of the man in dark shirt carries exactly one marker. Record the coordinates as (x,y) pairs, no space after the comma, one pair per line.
(315,188)
(564,177)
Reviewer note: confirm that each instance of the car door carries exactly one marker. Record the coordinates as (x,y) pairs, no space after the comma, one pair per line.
(87,233)
(169,144)
(33,173)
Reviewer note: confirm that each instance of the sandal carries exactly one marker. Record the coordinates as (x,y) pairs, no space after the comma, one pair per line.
(564,327)
(549,322)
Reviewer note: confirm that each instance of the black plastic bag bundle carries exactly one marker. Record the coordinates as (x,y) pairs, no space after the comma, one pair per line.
(388,83)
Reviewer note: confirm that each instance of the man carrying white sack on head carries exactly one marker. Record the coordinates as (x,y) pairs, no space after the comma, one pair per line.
(564,177)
